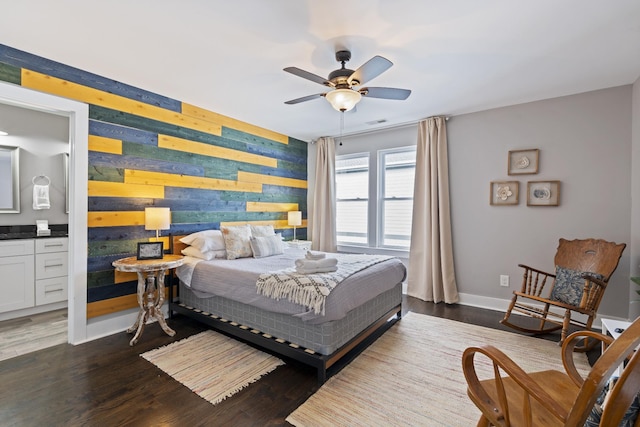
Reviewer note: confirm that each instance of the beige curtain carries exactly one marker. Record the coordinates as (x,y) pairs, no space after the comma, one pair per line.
(431,275)
(323,216)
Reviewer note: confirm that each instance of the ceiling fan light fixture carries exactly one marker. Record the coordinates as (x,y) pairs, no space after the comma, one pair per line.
(343,99)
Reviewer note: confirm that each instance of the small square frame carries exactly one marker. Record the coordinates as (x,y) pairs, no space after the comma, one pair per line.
(504,193)
(543,193)
(150,250)
(523,162)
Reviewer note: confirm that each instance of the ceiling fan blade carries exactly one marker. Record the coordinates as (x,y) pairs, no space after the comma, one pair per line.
(304,98)
(309,76)
(370,70)
(385,93)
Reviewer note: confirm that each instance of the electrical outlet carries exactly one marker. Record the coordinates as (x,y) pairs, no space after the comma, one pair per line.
(504,280)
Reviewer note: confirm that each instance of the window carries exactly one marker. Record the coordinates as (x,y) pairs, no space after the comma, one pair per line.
(352,199)
(396,174)
(386,221)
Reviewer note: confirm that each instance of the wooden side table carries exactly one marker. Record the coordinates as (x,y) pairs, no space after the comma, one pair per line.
(151,274)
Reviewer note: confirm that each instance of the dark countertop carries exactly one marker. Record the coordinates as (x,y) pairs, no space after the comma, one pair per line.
(15,232)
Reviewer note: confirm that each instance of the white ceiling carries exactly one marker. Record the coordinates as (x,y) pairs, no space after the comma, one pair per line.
(457,56)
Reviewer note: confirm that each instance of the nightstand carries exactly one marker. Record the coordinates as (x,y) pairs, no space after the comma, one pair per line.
(151,274)
(300,244)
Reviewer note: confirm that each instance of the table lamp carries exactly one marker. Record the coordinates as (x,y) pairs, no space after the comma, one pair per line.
(157,219)
(294,218)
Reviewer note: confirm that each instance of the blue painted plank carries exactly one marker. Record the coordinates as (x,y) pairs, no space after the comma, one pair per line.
(22,59)
(109,130)
(101,293)
(139,163)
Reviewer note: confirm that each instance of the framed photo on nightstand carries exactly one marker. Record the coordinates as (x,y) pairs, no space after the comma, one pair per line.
(150,250)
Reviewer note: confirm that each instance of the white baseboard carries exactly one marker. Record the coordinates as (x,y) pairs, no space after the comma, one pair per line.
(498,304)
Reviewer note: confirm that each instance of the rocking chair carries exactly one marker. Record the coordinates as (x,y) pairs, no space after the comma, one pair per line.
(583,269)
(554,398)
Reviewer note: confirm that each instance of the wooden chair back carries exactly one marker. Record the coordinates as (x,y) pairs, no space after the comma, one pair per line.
(589,255)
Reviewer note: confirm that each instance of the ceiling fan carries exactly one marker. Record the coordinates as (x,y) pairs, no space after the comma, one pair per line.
(344,97)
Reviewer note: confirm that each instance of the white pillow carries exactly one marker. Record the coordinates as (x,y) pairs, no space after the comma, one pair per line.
(262,230)
(196,253)
(207,240)
(236,240)
(266,246)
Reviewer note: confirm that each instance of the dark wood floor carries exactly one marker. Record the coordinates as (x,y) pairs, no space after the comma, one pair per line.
(106,383)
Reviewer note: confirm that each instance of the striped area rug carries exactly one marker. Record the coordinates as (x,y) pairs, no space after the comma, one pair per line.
(412,376)
(212,365)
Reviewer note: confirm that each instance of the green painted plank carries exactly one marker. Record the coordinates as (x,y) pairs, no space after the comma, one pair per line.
(10,74)
(103,173)
(109,247)
(192,217)
(100,278)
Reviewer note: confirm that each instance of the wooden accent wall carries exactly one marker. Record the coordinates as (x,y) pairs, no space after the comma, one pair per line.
(149,150)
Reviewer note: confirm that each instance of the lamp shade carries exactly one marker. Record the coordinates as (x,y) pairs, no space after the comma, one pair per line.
(294,218)
(343,99)
(157,218)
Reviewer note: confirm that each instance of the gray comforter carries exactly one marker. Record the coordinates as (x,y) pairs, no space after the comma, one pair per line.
(236,280)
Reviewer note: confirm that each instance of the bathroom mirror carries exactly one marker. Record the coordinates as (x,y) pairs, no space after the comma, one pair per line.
(9,179)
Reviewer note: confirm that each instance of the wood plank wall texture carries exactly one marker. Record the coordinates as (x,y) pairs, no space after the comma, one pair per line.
(149,150)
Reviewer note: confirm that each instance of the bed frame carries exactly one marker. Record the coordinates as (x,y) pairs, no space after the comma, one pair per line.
(326,365)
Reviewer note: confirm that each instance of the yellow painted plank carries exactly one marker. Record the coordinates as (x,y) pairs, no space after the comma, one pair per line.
(115,218)
(271,207)
(44,83)
(119,189)
(272,180)
(202,114)
(114,305)
(123,276)
(179,144)
(105,145)
(187,181)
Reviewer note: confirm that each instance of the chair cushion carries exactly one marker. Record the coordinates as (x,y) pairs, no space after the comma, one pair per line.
(569,285)
(629,418)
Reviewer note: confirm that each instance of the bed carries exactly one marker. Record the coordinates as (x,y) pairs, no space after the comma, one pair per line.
(224,294)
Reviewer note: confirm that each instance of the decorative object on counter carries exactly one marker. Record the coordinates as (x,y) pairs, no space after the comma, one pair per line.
(42,228)
(157,219)
(523,162)
(294,219)
(504,193)
(41,192)
(543,193)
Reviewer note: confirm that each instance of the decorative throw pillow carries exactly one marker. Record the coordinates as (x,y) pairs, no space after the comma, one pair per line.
(629,418)
(266,246)
(207,240)
(262,230)
(569,285)
(236,241)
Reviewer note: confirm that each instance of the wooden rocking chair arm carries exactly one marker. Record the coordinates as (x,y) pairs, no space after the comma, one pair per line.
(526,267)
(553,302)
(515,372)
(568,352)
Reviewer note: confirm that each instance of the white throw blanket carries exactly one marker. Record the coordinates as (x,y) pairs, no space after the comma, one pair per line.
(311,290)
(310,266)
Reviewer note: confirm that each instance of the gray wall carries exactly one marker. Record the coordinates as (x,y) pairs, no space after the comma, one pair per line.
(634,241)
(42,138)
(585,142)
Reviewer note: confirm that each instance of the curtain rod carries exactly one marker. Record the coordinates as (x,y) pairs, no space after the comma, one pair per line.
(396,126)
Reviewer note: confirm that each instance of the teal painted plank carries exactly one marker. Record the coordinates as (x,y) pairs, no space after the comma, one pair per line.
(192,217)
(102,173)
(100,278)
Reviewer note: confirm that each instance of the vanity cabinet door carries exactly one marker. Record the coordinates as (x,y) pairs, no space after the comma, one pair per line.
(16,287)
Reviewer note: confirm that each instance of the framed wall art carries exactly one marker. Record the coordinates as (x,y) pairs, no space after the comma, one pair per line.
(150,250)
(504,193)
(543,193)
(522,162)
